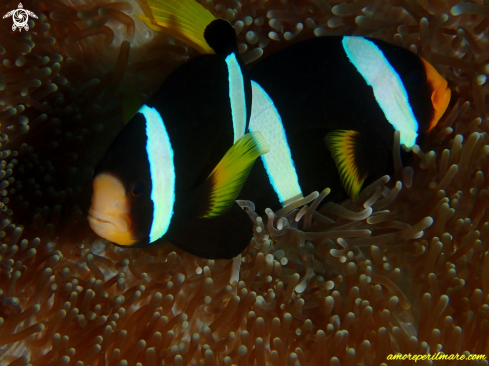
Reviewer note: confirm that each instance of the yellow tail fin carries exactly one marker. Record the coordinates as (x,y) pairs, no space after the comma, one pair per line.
(183,19)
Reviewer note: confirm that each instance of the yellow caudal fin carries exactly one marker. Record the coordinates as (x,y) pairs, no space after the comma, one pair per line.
(344,148)
(228,177)
(183,19)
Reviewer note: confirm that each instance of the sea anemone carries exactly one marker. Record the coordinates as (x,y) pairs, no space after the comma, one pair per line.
(404,269)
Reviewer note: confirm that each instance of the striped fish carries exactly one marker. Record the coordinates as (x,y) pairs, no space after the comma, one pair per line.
(329,106)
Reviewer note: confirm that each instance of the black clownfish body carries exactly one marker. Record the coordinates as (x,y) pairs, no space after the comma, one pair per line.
(339,100)
(174,171)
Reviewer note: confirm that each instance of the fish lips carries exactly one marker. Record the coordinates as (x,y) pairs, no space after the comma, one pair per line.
(101,222)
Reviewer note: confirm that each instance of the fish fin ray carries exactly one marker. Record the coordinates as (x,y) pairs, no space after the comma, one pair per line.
(185,20)
(151,23)
(343,145)
(230,174)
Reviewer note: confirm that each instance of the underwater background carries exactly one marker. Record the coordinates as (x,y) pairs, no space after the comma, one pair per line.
(403,269)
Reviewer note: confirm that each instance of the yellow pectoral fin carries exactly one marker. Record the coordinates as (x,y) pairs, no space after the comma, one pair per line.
(342,144)
(229,176)
(183,19)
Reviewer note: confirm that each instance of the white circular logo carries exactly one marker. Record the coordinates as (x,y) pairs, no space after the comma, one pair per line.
(20,17)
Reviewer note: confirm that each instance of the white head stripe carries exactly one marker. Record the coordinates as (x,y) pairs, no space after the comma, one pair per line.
(162,170)
(388,88)
(236,96)
(278,161)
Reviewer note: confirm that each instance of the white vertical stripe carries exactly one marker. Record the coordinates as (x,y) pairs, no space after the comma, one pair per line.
(236,96)
(388,88)
(162,170)
(278,161)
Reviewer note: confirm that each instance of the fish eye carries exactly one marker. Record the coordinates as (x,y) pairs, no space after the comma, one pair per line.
(416,78)
(137,189)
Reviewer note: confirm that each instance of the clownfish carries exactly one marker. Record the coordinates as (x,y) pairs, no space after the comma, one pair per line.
(337,102)
(328,108)
(317,113)
(174,171)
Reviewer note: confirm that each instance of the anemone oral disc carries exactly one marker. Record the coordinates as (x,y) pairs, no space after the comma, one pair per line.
(162,170)
(278,161)
(387,86)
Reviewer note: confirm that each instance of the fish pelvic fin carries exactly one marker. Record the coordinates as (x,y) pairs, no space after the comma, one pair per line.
(230,174)
(185,20)
(345,149)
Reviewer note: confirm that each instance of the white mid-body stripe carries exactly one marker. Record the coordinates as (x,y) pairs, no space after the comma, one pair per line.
(236,96)
(162,170)
(388,88)
(278,161)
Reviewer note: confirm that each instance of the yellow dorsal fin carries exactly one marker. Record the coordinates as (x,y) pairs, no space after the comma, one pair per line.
(344,146)
(229,176)
(183,19)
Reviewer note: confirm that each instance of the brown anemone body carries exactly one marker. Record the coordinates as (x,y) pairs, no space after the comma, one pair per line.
(403,269)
